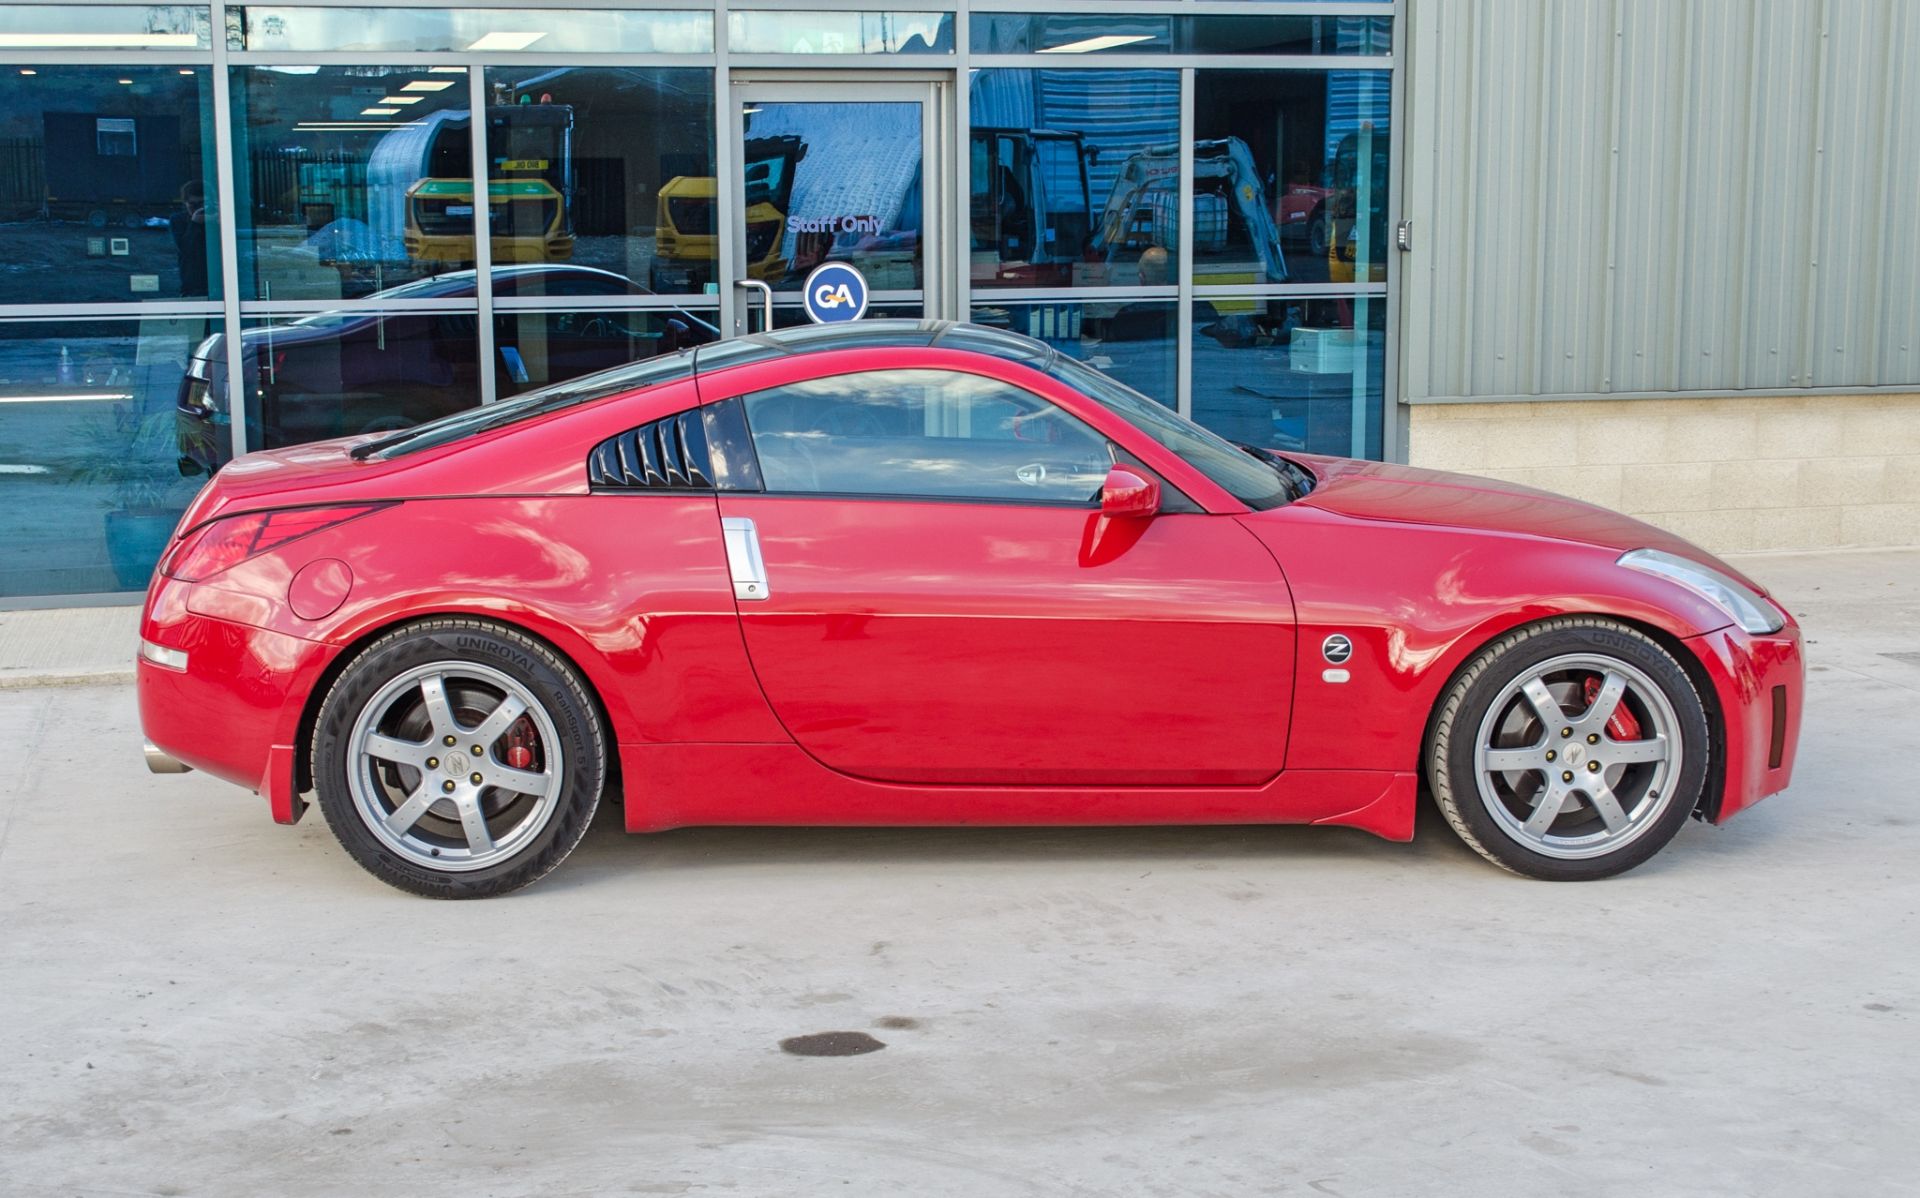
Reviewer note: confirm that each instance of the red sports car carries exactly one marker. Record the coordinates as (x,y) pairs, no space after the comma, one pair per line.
(928,573)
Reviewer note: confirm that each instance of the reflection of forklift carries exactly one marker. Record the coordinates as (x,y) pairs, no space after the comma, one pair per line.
(1025,232)
(528,186)
(1142,211)
(685,244)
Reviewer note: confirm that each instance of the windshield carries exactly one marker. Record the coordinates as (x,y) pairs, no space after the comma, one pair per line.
(1254,480)
(585,389)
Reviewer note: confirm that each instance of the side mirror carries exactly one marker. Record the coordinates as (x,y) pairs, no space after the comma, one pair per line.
(1129,495)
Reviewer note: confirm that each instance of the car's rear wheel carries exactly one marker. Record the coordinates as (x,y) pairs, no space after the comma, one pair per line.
(1570,749)
(458,758)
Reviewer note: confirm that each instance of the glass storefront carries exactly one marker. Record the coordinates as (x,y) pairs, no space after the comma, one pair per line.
(393,212)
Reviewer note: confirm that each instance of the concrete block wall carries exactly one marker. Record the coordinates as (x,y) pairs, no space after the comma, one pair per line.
(1733,475)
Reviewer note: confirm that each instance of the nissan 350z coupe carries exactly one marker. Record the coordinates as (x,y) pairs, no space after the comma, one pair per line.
(929,573)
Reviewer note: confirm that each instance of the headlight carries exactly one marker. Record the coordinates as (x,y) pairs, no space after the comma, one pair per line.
(1752,612)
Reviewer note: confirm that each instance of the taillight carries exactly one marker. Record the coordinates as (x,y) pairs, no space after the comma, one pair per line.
(215,546)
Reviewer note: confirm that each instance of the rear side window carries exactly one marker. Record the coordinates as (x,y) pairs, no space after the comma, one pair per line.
(924,434)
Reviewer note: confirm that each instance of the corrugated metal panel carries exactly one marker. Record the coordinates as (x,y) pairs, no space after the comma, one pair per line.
(1632,196)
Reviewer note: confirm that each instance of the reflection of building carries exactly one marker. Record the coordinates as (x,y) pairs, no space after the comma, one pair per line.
(1207,201)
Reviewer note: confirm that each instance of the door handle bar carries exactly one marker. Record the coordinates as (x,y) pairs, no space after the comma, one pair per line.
(766,300)
(744,564)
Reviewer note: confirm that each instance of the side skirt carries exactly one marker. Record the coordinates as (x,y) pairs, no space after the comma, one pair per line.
(674,786)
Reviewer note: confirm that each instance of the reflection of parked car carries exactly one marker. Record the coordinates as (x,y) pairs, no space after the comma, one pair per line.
(337,373)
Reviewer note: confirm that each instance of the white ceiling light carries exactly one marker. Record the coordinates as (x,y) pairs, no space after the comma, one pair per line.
(400,99)
(86,397)
(378,111)
(96,41)
(428,85)
(506,40)
(446,70)
(1104,42)
(351,126)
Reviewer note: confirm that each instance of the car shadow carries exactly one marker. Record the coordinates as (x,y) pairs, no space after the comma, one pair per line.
(609,851)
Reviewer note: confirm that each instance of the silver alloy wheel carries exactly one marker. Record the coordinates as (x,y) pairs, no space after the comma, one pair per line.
(438,788)
(1555,779)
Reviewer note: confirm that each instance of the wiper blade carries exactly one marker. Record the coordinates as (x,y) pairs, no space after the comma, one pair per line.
(361,453)
(1298,480)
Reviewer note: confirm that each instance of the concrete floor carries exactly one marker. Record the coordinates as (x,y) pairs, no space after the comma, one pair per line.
(195,1001)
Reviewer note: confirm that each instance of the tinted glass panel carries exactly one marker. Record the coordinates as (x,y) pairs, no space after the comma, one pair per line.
(107,27)
(345,373)
(1134,341)
(537,348)
(1133,33)
(618,167)
(89,451)
(1074,179)
(1292,373)
(105,179)
(354,179)
(667,368)
(839,181)
(839,33)
(480,30)
(929,433)
(1290,177)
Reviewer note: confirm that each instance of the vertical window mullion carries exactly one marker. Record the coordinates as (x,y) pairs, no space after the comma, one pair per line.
(478,164)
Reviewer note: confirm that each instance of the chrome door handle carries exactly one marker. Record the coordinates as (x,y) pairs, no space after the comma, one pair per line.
(744,563)
(766,300)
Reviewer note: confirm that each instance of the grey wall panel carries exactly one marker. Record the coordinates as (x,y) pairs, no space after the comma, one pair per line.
(1656,196)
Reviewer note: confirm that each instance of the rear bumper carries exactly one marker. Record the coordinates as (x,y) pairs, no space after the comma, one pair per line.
(234,712)
(1760,683)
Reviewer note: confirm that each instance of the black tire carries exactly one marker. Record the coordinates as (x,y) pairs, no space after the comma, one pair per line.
(550,680)
(1451,764)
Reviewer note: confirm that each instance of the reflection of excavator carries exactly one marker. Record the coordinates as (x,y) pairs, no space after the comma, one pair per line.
(527,191)
(686,224)
(1025,232)
(1142,210)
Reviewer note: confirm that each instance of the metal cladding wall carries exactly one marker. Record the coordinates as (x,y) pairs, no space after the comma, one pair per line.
(1624,197)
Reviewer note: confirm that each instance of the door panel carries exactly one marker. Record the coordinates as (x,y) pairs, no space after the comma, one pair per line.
(962,642)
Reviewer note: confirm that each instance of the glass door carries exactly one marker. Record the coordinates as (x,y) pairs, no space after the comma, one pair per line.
(834,171)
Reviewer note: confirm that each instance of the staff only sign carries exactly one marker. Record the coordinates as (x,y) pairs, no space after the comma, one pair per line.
(835,292)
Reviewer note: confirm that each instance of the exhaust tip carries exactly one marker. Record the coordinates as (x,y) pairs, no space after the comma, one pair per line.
(160,761)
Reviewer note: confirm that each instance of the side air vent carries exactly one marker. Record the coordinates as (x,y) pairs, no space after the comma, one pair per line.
(666,454)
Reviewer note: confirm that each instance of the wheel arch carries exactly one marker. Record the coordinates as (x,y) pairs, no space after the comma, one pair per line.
(351,651)
(1476,643)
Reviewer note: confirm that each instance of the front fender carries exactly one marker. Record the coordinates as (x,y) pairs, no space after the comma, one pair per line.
(1417,602)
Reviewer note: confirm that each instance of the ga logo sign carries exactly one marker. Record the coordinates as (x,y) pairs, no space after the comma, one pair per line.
(835,292)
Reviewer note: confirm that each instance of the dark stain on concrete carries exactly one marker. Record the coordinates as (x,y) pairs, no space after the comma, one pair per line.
(831,1044)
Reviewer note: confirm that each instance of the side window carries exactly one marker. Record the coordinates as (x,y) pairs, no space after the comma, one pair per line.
(926,433)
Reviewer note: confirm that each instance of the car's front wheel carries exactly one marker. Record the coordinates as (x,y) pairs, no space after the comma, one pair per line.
(1570,749)
(458,758)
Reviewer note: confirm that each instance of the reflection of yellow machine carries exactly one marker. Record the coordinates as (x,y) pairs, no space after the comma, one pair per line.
(1353,177)
(685,244)
(527,217)
(527,210)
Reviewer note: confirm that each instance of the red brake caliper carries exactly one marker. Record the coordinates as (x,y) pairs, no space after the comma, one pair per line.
(519,745)
(1622,726)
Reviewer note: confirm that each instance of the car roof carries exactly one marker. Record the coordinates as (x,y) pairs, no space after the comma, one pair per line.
(870,334)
